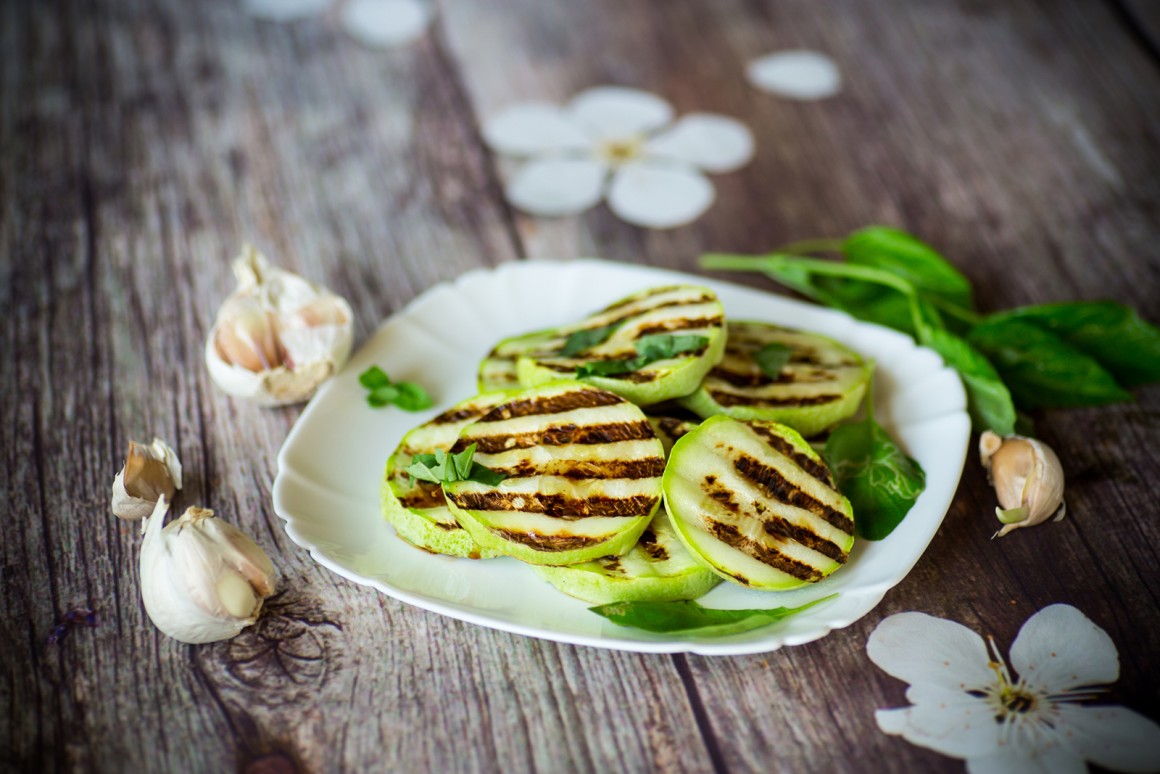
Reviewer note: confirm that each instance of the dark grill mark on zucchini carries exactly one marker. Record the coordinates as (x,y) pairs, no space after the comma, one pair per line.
(730,399)
(560,435)
(651,292)
(816,469)
(558,506)
(650,467)
(552,404)
(548,542)
(777,486)
(648,541)
(780,528)
(611,564)
(424,496)
(683,324)
(447,526)
(457,415)
(731,536)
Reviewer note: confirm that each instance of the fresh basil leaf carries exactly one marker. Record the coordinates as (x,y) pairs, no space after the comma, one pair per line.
(1043,370)
(988,399)
(650,349)
(690,617)
(463,462)
(383,396)
(411,397)
(484,475)
(911,259)
(444,468)
(876,476)
(1112,334)
(772,358)
(423,467)
(373,378)
(579,341)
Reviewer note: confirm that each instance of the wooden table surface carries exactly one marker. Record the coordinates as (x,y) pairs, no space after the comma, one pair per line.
(141,142)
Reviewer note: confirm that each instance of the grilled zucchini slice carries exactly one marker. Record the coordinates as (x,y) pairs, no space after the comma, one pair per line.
(822,383)
(679,310)
(497,371)
(670,427)
(657,569)
(757,504)
(417,509)
(583,471)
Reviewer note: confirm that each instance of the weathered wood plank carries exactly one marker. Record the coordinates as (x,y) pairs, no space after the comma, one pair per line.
(143,143)
(1020,139)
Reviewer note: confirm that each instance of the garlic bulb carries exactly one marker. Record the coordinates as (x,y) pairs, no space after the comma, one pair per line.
(1028,480)
(150,472)
(277,337)
(202,580)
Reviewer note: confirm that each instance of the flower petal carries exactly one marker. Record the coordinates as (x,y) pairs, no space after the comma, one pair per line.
(710,142)
(386,23)
(804,75)
(1113,737)
(283,10)
(533,129)
(922,649)
(946,720)
(659,196)
(554,187)
(1053,760)
(1060,648)
(619,113)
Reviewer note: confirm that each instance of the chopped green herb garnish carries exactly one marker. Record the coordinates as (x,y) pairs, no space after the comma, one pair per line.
(650,349)
(383,392)
(772,358)
(441,467)
(586,339)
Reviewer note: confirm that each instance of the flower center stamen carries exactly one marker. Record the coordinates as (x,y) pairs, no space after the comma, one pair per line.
(618,152)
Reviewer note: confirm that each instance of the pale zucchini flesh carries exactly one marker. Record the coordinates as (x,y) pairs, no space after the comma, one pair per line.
(679,310)
(417,509)
(756,503)
(498,369)
(822,384)
(583,475)
(657,569)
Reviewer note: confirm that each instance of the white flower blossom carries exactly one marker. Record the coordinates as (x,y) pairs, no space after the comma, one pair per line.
(799,74)
(965,703)
(610,142)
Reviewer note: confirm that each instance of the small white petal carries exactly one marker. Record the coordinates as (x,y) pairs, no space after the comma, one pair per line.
(1113,737)
(283,10)
(533,129)
(619,113)
(386,23)
(1060,648)
(805,75)
(709,142)
(922,649)
(553,187)
(659,196)
(1054,760)
(946,720)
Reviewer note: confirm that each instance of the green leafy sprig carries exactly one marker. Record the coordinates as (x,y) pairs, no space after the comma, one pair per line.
(1044,356)
(772,358)
(383,392)
(443,468)
(650,349)
(579,341)
(688,617)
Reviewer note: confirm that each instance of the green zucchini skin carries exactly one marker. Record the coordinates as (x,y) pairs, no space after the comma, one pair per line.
(583,471)
(497,371)
(417,509)
(823,383)
(657,569)
(753,501)
(677,310)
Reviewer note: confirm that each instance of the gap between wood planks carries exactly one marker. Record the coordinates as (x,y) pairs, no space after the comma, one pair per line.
(1138,30)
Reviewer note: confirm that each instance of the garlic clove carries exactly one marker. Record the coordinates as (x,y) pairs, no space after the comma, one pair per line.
(202,579)
(149,473)
(278,336)
(1028,480)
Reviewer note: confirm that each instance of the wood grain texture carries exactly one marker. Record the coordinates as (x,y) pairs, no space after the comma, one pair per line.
(142,142)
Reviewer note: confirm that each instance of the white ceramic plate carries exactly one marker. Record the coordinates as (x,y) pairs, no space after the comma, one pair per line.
(327,487)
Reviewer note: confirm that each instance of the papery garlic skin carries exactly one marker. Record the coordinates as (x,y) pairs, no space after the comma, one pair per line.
(1028,480)
(202,580)
(278,336)
(149,473)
